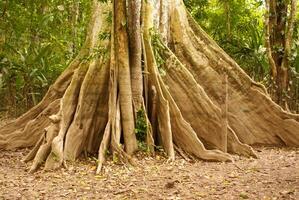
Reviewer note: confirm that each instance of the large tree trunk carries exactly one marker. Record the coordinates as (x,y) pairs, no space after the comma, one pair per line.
(183,105)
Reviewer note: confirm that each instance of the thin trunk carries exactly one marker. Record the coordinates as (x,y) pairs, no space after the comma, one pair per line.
(12,93)
(125,92)
(74,20)
(134,10)
(279,28)
(288,46)
(228,22)
(268,25)
(278,42)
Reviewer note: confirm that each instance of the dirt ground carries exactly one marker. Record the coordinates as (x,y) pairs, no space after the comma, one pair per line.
(275,175)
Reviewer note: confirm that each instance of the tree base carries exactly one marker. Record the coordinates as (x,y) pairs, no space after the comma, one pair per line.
(90,108)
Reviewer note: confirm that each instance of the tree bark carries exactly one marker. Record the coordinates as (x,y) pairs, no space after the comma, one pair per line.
(134,27)
(279,22)
(89,109)
(125,92)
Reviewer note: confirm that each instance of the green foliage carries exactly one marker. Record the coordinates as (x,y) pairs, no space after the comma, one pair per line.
(198,8)
(142,146)
(37,41)
(141,126)
(54,156)
(238,27)
(295,48)
(245,42)
(115,158)
(104,35)
(294,59)
(96,53)
(158,50)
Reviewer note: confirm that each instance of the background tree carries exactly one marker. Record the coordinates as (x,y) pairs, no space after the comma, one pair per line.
(280,20)
(38,40)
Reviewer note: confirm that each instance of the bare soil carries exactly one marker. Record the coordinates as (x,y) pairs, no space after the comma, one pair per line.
(274,175)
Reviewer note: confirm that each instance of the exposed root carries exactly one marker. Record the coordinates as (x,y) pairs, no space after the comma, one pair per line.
(45,148)
(235,146)
(47,137)
(259,120)
(30,156)
(104,147)
(153,115)
(90,108)
(111,137)
(32,131)
(93,87)
(57,90)
(182,153)
(149,136)
(185,137)
(67,110)
(163,115)
(117,134)
(164,125)
(184,89)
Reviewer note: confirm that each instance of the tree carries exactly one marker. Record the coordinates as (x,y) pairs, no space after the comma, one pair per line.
(279,34)
(92,106)
(35,47)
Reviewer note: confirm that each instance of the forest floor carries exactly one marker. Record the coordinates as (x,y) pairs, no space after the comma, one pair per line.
(274,175)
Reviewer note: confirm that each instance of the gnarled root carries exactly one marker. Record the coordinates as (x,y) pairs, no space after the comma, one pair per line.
(31,133)
(44,149)
(90,108)
(253,116)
